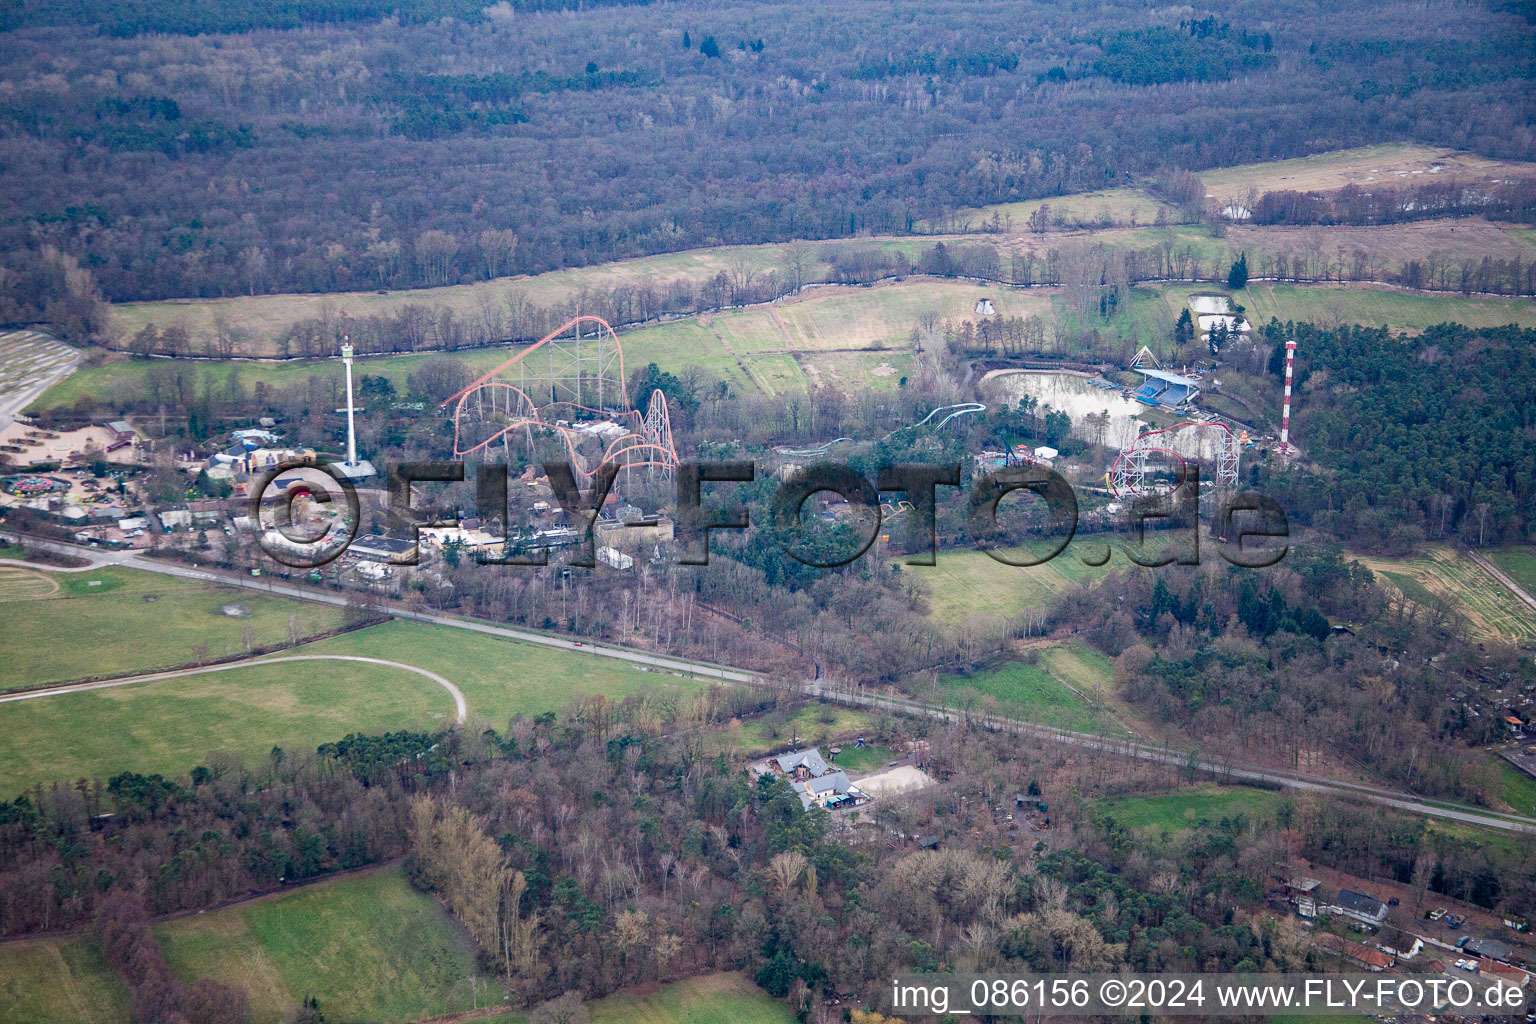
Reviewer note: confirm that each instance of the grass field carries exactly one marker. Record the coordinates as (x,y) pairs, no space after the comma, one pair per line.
(811,726)
(59,981)
(966,583)
(1331,305)
(1397,163)
(18,584)
(1189,807)
(131,621)
(1024,691)
(501,678)
(368,947)
(1444,575)
(709,999)
(1115,206)
(1519,563)
(1519,788)
(865,759)
(171,725)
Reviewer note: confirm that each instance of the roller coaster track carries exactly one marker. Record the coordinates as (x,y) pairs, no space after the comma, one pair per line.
(571,374)
(1128,472)
(952,412)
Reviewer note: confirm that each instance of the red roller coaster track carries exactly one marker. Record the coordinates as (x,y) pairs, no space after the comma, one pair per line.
(1127,473)
(505,407)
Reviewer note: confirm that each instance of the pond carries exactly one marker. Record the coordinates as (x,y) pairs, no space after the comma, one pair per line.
(1203,305)
(1103,417)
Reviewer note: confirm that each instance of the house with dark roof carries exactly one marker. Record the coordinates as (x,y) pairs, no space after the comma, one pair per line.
(801,764)
(1359,906)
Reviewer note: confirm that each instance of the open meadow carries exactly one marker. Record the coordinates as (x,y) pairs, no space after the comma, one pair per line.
(1197,806)
(368,947)
(965,583)
(1019,689)
(501,678)
(171,725)
(118,622)
(1519,563)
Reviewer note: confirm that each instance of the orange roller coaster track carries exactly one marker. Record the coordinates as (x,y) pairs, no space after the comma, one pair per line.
(572,372)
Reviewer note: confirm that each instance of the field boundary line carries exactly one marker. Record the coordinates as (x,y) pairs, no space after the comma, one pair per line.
(458,695)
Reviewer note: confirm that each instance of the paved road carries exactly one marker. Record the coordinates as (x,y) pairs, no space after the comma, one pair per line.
(54,691)
(1381,796)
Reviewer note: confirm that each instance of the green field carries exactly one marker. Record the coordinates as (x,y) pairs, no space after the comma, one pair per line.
(501,678)
(1372,306)
(710,999)
(1444,576)
(1519,563)
(865,759)
(966,583)
(1081,667)
(1116,206)
(171,725)
(368,947)
(814,725)
(59,981)
(133,621)
(1187,808)
(1519,788)
(1024,691)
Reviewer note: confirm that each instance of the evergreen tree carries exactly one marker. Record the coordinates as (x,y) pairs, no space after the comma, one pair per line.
(709,47)
(1184,329)
(687,40)
(1237,277)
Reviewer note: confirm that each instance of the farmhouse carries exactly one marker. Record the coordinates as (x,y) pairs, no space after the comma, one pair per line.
(814,781)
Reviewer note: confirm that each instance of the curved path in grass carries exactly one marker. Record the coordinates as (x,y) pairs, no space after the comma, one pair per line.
(458,696)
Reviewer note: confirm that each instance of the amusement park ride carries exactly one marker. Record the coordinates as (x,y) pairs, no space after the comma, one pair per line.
(580,375)
(1129,473)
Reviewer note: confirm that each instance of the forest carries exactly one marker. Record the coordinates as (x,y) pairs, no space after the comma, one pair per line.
(617,843)
(224,149)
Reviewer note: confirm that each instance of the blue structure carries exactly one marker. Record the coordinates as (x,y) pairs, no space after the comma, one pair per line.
(1165,390)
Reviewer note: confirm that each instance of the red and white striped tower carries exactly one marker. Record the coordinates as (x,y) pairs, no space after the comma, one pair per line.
(1285,416)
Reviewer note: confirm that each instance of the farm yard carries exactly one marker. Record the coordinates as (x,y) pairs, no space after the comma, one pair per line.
(1444,576)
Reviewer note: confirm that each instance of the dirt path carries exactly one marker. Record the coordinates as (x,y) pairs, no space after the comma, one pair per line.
(458,696)
(1503,577)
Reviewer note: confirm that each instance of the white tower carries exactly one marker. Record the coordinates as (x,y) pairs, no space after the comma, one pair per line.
(352,468)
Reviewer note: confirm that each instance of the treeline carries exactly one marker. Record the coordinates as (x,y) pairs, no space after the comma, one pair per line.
(1384,203)
(122,928)
(293,168)
(622,843)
